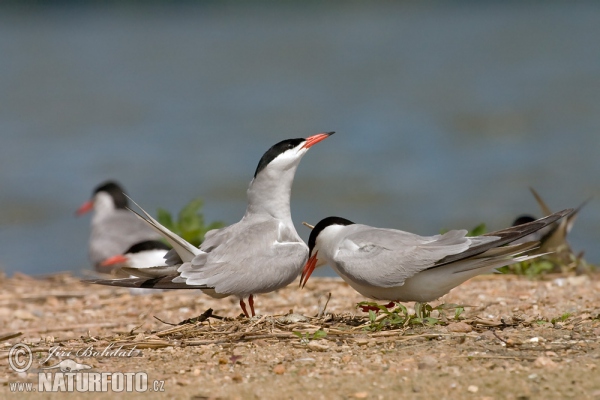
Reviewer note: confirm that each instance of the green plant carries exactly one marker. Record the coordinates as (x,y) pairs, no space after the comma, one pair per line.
(530,268)
(190,223)
(478,230)
(307,337)
(562,318)
(395,315)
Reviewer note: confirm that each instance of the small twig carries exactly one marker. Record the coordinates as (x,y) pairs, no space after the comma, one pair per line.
(425,335)
(8,336)
(164,322)
(308,225)
(137,327)
(499,338)
(201,318)
(256,323)
(500,357)
(322,312)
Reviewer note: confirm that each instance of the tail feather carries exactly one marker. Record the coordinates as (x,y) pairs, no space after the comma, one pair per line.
(184,249)
(161,282)
(496,258)
(149,272)
(505,236)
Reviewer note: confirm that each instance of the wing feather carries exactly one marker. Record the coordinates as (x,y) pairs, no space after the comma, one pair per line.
(387,257)
(184,249)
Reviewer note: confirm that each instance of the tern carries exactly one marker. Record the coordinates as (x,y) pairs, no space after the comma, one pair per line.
(148,256)
(259,254)
(389,264)
(553,238)
(113,228)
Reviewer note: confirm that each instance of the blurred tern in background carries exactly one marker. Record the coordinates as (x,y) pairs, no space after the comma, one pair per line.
(114,229)
(553,238)
(149,254)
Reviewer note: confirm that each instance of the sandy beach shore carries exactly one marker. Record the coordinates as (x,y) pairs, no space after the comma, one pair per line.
(516,339)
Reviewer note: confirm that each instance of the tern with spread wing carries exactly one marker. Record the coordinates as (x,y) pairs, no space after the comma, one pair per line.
(388,264)
(113,228)
(259,254)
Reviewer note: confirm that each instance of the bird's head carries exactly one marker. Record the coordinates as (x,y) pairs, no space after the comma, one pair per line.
(319,237)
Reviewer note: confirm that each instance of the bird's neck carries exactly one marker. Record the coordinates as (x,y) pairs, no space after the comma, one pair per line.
(269,193)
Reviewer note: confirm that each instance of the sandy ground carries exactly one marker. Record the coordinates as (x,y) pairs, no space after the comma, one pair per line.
(519,339)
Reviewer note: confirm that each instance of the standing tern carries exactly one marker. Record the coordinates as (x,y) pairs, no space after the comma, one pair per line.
(113,228)
(388,264)
(259,254)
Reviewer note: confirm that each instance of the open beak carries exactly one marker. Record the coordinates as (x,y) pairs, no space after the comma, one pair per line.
(85,207)
(114,260)
(312,140)
(309,267)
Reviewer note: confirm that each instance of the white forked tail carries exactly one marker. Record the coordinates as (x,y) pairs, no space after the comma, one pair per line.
(184,249)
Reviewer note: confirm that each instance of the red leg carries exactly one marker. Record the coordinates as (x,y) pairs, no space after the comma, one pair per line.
(251,302)
(243,305)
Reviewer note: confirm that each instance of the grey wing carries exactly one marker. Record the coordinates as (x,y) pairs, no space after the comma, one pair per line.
(387,257)
(256,258)
(116,233)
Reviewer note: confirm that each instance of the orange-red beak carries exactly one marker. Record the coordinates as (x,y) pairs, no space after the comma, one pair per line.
(312,140)
(114,260)
(309,267)
(85,207)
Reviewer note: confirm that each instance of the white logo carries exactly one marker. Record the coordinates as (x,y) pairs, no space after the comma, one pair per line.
(20,357)
(68,377)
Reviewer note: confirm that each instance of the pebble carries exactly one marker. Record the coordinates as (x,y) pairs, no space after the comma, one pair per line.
(318,345)
(473,389)
(24,315)
(279,369)
(292,318)
(460,327)
(544,362)
(427,362)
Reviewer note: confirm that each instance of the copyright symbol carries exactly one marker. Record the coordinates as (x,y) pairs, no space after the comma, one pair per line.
(20,357)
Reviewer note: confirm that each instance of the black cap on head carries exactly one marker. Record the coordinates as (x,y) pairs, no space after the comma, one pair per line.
(115,191)
(147,245)
(523,219)
(276,150)
(324,223)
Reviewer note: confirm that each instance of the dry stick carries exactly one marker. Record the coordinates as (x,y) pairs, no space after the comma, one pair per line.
(256,323)
(8,336)
(74,327)
(517,358)
(164,322)
(499,338)
(201,318)
(322,312)
(308,225)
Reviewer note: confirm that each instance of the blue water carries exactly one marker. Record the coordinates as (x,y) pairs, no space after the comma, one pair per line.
(445,114)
